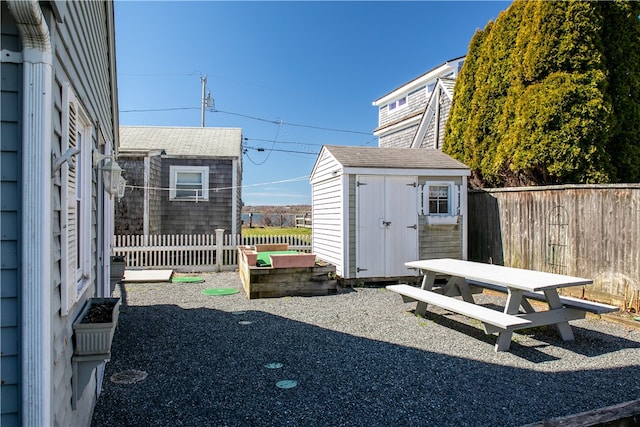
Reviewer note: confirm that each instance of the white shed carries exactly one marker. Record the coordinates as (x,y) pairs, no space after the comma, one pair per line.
(374,209)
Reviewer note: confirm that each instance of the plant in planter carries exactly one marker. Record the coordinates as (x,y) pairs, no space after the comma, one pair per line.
(96,324)
(93,333)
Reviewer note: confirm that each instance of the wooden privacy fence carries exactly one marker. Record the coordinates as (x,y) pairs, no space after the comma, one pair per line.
(590,231)
(203,252)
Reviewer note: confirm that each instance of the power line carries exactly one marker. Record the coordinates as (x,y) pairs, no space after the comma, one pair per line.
(276,149)
(159,109)
(280,122)
(282,181)
(282,142)
(270,152)
(275,122)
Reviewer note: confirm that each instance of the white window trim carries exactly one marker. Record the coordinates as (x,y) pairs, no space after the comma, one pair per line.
(395,105)
(75,277)
(452,198)
(173,174)
(83,274)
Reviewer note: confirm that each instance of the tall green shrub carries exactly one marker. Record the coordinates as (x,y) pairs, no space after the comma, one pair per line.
(546,99)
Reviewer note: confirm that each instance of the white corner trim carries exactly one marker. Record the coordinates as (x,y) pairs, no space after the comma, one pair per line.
(37,98)
(234,196)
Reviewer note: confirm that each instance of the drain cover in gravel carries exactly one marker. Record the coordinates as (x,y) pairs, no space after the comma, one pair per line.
(274,365)
(245,322)
(220,291)
(187,279)
(238,313)
(128,377)
(286,384)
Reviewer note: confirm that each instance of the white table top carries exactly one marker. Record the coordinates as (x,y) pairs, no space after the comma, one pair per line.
(517,278)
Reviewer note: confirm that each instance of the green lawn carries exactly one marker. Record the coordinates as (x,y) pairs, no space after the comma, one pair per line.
(275,231)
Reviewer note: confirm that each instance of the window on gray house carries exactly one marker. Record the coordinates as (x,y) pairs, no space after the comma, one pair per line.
(190,183)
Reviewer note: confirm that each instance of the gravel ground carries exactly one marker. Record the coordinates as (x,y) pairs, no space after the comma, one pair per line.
(358,358)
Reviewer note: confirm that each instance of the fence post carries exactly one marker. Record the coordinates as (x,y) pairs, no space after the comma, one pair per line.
(219,244)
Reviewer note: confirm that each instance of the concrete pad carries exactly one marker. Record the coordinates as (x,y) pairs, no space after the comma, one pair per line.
(147,276)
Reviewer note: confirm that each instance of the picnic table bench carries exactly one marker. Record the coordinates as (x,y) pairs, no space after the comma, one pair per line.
(466,277)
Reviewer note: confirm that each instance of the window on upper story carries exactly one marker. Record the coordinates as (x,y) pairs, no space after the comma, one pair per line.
(189,183)
(398,103)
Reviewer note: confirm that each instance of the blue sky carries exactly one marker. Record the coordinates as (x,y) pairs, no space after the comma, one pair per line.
(293,75)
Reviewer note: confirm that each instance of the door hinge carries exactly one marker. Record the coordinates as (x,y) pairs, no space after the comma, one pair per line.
(358,269)
(414,226)
(413,184)
(358,183)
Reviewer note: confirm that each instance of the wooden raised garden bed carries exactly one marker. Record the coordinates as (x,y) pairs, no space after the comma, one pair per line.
(269,271)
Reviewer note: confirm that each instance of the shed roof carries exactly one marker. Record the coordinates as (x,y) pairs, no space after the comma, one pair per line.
(182,141)
(393,158)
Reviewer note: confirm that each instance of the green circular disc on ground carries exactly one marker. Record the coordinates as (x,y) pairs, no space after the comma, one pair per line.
(220,291)
(187,280)
(286,384)
(274,365)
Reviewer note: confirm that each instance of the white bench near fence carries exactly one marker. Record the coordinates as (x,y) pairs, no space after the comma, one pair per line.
(520,285)
(205,252)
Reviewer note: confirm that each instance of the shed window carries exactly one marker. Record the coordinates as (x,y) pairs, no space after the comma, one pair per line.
(189,183)
(440,198)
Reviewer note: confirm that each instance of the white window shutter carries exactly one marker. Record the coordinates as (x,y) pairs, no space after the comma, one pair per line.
(68,287)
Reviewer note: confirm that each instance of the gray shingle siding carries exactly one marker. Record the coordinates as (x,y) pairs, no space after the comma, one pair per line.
(175,216)
(430,140)
(155,195)
(400,139)
(415,102)
(202,217)
(130,208)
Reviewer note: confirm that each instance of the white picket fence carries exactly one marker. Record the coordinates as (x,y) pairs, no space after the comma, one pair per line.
(201,252)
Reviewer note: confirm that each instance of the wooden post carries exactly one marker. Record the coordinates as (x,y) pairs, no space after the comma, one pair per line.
(219,254)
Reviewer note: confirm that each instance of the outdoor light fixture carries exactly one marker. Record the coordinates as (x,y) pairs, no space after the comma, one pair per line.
(122,184)
(111,172)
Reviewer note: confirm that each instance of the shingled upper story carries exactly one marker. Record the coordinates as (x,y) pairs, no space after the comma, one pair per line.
(414,115)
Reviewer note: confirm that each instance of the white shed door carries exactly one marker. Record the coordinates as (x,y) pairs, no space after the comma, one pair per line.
(386,224)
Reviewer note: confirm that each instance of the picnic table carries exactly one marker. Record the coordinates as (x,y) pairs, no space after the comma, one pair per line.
(464,278)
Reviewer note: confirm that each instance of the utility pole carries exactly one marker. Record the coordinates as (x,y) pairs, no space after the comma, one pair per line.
(206,102)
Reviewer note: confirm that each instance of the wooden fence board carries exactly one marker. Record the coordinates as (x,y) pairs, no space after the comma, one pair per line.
(582,230)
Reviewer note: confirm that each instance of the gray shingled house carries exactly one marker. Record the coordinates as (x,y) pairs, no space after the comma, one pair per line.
(180,180)
(414,115)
